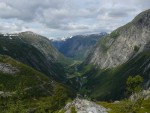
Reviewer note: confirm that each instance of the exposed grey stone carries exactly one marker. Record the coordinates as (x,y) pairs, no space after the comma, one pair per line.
(8,68)
(143,94)
(85,106)
(6,94)
(131,40)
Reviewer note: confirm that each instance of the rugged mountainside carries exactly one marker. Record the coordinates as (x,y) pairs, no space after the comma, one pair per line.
(79,46)
(15,75)
(123,43)
(125,52)
(35,51)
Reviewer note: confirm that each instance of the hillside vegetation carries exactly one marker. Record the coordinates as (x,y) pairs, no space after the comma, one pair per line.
(27,89)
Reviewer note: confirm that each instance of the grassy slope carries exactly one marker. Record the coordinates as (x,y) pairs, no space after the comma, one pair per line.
(27,77)
(120,107)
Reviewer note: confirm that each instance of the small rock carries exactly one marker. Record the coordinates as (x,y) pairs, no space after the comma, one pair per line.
(8,68)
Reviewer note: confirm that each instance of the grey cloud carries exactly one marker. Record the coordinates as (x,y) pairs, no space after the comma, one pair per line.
(75,27)
(120,13)
(27,10)
(7,11)
(70,16)
(63,18)
(114,12)
(11,27)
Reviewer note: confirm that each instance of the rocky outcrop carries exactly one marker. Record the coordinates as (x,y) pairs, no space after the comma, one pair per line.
(8,68)
(5,94)
(145,94)
(123,43)
(84,106)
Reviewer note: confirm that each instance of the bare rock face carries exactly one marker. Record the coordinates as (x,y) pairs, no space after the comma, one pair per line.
(123,43)
(85,106)
(145,94)
(8,69)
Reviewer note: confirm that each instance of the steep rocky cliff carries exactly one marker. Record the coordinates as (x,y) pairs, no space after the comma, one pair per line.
(123,53)
(123,43)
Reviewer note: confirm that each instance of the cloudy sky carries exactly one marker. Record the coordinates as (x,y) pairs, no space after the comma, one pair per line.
(61,18)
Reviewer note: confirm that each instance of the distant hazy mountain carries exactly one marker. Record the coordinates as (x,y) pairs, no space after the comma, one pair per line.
(77,47)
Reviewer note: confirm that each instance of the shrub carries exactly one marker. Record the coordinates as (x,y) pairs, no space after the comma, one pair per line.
(73,110)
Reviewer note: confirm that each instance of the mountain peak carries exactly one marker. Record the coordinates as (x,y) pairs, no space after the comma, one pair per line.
(29,33)
(142,18)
